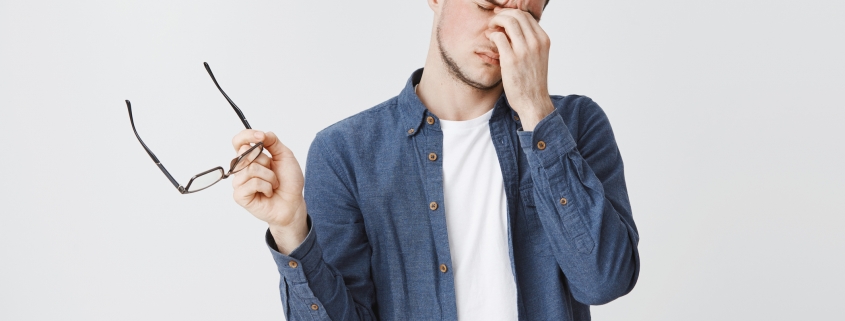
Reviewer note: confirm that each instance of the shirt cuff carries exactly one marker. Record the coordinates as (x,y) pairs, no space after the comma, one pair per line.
(306,257)
(549,141)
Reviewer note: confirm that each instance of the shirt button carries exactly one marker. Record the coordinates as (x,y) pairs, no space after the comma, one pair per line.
(516,117)
(432,206)
(429,120)
(563,201)
(541,145)
(432,157)
(443,268)
(410,131)
(293,264)
(315,307)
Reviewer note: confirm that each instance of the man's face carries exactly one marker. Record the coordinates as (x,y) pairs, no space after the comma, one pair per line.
(462,38)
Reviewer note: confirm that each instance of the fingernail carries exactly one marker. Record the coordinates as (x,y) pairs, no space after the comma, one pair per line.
(258,134)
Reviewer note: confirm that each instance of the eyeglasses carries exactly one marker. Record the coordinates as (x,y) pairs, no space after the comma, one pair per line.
(207,178)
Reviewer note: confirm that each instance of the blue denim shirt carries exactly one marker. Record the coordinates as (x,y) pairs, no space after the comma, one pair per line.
(378,247)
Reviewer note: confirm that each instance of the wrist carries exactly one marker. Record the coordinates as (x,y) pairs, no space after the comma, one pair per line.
(532,117)
(289,237)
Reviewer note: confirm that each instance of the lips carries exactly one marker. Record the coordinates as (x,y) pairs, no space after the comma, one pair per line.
(490,54)
(489,57)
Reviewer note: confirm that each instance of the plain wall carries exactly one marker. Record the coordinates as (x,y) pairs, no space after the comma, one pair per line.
(728,115)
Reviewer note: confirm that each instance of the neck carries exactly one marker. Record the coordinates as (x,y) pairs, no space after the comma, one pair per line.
(447,96)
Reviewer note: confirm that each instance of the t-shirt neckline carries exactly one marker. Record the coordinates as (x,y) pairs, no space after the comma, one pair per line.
(466,124)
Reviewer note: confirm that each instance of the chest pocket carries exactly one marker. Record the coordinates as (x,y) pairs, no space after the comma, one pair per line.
(539,242)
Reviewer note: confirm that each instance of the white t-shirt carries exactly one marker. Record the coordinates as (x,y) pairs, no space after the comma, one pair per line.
(477,221)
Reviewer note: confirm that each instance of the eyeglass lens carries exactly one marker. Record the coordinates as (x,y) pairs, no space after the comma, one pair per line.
(246,158)
(206,179)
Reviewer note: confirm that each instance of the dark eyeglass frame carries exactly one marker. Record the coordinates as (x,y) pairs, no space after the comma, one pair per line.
(232,165)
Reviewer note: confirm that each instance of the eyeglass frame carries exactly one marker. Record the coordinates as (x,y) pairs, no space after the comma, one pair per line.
(232,164)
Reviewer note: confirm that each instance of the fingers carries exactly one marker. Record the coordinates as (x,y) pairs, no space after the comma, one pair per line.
(529,24)
(513,29)
(256,171)
(246,137)
(524,32)
(251,189)
(241,142)
(273,164)
(262,159)
(503,45)
(275,147)
(250,136)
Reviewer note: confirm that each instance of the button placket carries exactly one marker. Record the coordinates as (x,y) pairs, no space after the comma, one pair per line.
(430,146)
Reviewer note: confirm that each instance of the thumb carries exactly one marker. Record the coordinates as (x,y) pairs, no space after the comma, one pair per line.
(275,147)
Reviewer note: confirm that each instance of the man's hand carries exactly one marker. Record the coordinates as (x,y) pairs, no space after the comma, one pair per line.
(271,189)
(524,59)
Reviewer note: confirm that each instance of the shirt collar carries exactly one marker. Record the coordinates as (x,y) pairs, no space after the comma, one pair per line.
(412,109)
(413,112)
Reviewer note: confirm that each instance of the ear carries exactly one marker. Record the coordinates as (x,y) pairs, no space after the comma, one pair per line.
(435,5)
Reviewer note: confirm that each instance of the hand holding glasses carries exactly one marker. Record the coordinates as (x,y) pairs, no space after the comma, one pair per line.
(207,178)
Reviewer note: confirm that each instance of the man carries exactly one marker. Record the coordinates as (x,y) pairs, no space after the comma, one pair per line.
(473,194)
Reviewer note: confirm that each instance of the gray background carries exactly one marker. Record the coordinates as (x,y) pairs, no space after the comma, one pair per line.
(728,115)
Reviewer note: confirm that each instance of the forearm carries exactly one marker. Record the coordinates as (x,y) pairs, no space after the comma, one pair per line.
(587,219)
(310,288)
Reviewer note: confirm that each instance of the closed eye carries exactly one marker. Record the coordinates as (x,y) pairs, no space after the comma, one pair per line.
(484,8)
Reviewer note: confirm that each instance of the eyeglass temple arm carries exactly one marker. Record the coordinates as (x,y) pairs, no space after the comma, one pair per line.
(153,156)
(237,110)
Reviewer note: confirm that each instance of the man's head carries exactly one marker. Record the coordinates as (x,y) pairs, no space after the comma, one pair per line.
(461,29)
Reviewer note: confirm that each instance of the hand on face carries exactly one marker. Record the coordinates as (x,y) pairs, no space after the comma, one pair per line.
(524,59)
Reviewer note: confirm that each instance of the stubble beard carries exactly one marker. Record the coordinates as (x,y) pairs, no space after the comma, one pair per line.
(456,71)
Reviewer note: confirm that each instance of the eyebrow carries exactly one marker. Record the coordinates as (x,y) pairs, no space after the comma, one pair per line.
(493,2)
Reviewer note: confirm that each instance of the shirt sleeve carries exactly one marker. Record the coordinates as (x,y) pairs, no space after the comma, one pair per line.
(582,202)
(311,287)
